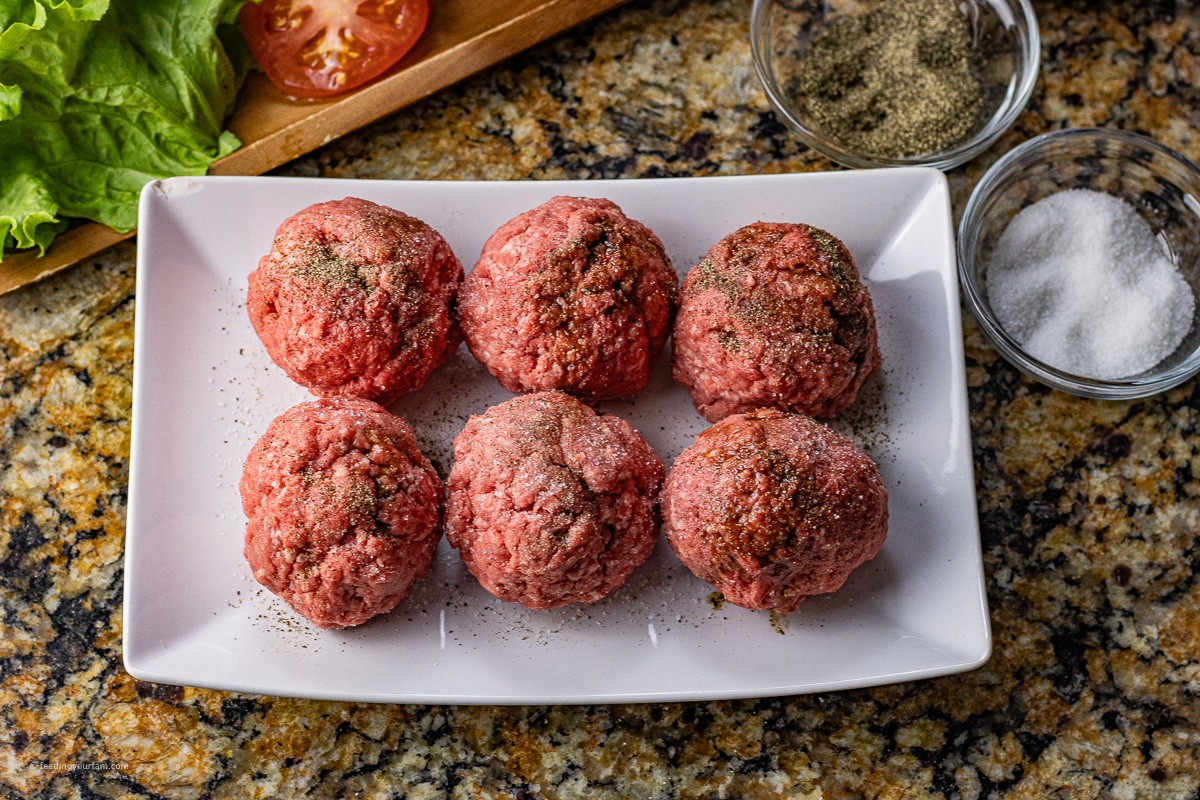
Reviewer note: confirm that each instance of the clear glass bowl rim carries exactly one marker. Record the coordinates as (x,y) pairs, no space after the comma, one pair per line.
(993,181)
(943,159)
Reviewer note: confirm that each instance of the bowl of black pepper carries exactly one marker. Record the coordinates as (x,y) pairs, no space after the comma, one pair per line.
(876,83)
(1079,256)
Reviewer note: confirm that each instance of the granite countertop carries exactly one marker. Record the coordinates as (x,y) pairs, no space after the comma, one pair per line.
(1089,511)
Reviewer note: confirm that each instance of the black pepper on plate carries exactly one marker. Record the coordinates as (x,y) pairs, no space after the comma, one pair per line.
(896,81)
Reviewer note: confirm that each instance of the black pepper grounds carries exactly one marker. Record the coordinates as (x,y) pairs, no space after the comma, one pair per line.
(897,81)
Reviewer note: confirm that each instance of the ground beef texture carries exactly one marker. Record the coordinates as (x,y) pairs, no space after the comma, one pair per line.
(775,315)
(551,503)
(771,507)
(356,299)
(344,512)
(573,296)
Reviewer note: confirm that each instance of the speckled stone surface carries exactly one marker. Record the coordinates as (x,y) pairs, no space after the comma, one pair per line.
(1089,511)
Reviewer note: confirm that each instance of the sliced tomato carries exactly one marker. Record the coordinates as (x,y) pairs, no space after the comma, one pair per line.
(317,48)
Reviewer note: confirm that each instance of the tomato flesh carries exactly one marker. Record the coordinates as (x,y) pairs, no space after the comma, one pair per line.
(318,48)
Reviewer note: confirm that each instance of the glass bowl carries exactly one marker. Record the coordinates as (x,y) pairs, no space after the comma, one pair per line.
(1160,184)
(792,39)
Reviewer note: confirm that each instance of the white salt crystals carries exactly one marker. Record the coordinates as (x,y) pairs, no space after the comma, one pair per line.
(1081,282)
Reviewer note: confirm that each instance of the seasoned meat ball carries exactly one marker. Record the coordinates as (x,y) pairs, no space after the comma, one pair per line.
(572,295)
(551,503)
(356,299)
(771,507)
(344,511)
(774,316)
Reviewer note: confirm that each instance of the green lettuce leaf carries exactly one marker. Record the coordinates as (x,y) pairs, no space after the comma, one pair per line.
(98,97)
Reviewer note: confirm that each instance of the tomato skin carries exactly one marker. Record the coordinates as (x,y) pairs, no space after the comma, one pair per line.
(319,48)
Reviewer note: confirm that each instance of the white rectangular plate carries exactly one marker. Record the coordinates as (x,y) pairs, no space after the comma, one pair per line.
(205,390)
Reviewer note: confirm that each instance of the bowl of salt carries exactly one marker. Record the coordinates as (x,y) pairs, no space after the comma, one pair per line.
(1079,255)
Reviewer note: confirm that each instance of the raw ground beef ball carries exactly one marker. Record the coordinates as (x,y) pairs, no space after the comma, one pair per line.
(572,295)
(551,503)
(344,511)
(770,508)
(774,316)
(355,299)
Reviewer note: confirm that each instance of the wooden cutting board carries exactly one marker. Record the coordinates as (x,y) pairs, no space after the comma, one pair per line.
(463,37)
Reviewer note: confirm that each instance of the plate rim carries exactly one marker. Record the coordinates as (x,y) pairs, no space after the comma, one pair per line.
(980,649)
